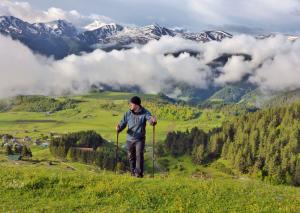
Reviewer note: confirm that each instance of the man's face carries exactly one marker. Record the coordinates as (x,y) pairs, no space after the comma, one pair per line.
(133,106)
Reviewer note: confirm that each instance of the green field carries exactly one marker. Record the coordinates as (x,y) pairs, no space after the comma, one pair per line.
(47,184)
(94,113)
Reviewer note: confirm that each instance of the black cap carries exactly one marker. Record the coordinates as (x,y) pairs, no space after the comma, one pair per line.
(136,100)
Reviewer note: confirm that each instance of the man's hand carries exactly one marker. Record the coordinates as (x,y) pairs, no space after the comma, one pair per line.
(118,128)
(153,121)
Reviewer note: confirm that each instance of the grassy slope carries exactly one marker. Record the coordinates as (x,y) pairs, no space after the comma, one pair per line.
(38,186)
(75,187)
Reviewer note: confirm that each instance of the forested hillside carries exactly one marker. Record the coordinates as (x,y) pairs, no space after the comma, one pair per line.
(265,144)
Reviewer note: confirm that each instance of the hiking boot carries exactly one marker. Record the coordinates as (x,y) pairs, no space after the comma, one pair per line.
(139,175)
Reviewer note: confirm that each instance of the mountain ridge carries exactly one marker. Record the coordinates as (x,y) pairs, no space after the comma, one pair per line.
(45,38)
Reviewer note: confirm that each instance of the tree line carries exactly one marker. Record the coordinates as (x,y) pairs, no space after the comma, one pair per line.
(36,103)
(88,147)
(265,143)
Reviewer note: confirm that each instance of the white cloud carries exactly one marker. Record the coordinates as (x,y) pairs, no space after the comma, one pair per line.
(146,67)
(274,66)
(234,70)
(280,73)
(26,12)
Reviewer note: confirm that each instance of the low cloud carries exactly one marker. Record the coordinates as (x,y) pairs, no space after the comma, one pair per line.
(274,66)
(146,67)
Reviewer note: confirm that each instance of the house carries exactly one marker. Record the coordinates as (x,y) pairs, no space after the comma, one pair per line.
(45,144)
(27,139)
(14,140)
(38,142)
(5,139)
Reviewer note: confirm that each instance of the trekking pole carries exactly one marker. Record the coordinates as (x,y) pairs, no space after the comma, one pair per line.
(117,152)
(153,142)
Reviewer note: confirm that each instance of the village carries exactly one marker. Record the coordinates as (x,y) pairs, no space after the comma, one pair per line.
(17,149)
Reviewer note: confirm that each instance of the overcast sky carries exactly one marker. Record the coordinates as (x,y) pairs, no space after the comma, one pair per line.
(195,15)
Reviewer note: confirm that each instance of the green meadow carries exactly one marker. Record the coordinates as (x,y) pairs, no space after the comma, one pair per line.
(100,112)
(74,187)
(44,183)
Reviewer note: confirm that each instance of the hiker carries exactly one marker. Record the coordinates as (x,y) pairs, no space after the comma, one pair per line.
(135,118)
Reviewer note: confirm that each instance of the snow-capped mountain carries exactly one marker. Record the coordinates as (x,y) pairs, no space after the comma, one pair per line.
(12,25)
(94,25)
(106,34)
(117,35)
(288,36)
(207,36)
(100,34)
(57,28)
(60,38)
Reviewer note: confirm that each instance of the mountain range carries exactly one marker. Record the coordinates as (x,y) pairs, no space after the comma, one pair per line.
(60,38)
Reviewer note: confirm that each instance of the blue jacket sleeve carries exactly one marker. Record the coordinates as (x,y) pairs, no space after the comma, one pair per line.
(148,115)
(123,122)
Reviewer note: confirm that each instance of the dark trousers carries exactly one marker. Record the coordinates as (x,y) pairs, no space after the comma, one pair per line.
(135,151)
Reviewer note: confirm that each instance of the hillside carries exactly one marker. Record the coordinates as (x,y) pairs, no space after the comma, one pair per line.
(264,144)
(192,172)
(78,188)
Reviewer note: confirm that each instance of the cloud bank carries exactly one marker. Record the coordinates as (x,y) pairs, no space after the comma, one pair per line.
(275,66)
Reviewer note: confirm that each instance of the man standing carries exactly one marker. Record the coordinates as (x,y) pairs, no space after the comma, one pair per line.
(135,118)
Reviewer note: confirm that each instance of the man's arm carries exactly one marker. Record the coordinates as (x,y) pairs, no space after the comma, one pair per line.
(123,123)
(151,119)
